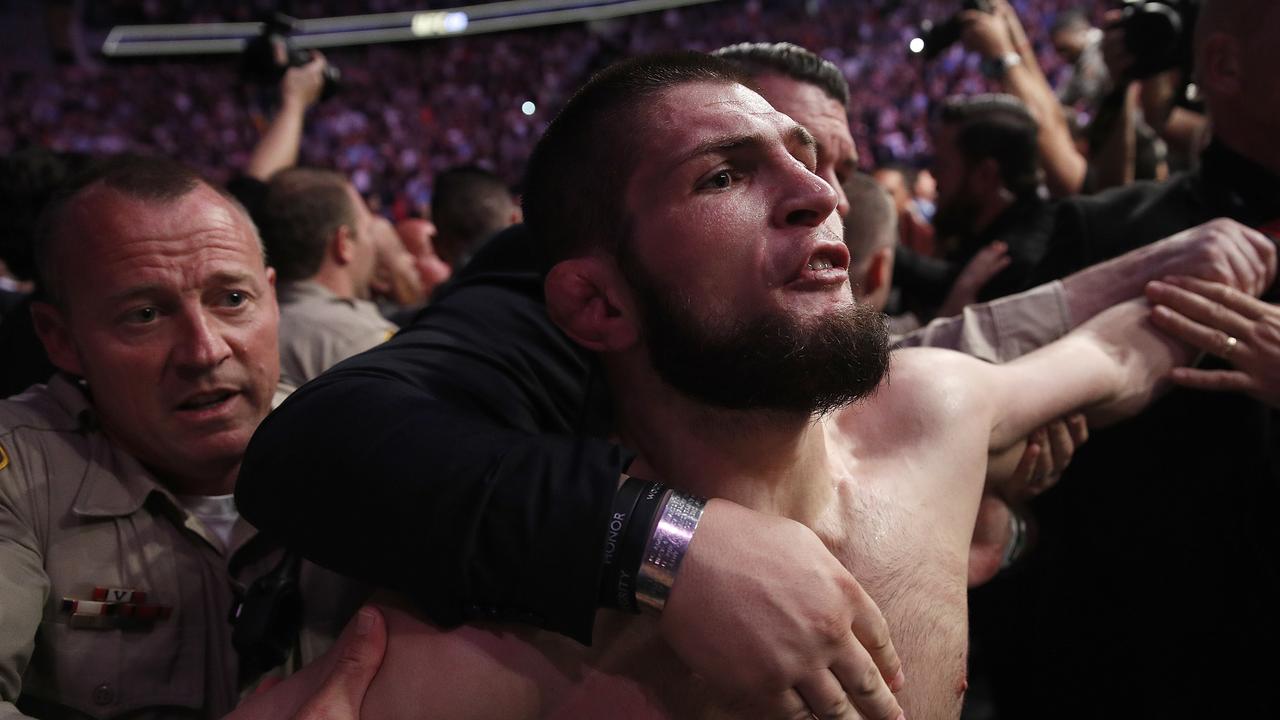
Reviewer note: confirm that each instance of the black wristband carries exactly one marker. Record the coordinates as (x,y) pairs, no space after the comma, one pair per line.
(635,509)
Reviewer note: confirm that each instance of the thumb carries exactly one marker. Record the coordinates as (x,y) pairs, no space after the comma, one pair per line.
(360,650)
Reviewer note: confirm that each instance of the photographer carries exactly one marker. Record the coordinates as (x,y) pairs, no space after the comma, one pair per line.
(1009,58)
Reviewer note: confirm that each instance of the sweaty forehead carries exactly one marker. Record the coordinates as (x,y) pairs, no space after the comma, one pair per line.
(684,117)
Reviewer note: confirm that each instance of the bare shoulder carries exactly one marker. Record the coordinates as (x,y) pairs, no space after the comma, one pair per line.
(935,385)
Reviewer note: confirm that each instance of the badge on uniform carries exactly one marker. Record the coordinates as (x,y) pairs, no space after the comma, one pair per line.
(4,458)
(114,608)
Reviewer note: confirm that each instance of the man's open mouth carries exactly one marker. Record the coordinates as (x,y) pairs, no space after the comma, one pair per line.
(206,400)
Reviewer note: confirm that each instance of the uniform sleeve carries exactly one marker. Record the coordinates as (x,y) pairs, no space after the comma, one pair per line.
(1003,329)
(24,587)
(462,463)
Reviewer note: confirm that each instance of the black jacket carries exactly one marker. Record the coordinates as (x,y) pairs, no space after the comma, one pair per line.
(1157,578)
(464,462)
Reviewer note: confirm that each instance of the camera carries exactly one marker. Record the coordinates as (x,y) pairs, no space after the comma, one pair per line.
(936,37)
(269,55)
(1158,34)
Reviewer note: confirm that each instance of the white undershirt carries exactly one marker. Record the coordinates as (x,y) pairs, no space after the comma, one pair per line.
(217,512)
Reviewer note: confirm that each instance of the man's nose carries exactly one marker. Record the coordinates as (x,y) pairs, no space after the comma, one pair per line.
(807,199)
(200,344)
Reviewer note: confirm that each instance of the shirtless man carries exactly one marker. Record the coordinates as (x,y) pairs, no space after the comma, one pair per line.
(715,287)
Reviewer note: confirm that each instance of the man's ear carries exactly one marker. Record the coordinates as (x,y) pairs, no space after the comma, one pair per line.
(343,247)
(51,327)
(1219,71)
(584,298)
(880,270)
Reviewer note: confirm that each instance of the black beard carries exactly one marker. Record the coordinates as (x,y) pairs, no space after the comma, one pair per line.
(767,362)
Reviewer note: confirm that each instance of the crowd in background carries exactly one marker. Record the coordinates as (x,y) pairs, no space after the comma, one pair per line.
(408,111)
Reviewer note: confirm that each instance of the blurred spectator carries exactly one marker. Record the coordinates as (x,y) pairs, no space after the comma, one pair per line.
(321,239)
(925,193)
(28,178)
(1079,43)
(418,236)
(469,205)
(914,232)
(989,177)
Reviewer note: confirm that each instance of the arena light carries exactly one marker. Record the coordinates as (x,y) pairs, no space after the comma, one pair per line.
(222,38)
(916,45)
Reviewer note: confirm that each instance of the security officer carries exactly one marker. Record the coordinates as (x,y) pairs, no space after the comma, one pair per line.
(122,556)
(321,239)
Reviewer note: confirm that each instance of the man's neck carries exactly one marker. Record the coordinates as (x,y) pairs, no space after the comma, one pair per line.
(769,461)
(337,281)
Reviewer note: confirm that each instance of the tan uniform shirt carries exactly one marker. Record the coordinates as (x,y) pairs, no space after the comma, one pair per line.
(82,522)
(319,329)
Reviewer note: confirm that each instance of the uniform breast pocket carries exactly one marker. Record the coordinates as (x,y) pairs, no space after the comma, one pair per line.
(130,626)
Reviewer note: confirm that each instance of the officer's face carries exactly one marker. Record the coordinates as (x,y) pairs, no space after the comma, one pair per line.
(170,315)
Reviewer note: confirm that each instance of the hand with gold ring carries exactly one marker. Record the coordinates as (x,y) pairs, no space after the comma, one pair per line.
(1228,323)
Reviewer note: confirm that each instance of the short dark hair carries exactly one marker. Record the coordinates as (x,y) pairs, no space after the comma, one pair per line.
(468,205)
(301,210)
(1070,19)
(998,127)
(795,62)
(152,179)
(577,173)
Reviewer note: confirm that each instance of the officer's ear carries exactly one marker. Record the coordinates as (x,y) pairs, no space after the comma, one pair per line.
(588,300)
(343,247)
(54,332)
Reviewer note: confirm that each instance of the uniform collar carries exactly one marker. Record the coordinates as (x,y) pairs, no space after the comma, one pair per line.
(309,290)
(115,484)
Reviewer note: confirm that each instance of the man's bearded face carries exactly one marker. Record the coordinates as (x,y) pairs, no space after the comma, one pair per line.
(769,361)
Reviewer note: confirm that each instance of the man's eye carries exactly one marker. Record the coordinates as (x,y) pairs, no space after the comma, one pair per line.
(234,298)
(142,315)
(719,181)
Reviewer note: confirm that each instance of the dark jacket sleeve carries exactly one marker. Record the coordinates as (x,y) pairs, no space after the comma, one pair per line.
(465,462)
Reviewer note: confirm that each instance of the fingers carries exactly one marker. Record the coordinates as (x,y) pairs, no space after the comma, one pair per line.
(855,677)
(825,697)
(1190,331)
(1078,425)
(1024,475)
(1223,380)
(362,646)
(1245,304)
(871,634)
(1194,318)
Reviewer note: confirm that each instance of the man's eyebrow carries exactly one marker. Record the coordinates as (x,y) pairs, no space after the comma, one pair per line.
(151,290)
(725,144)
(722,144)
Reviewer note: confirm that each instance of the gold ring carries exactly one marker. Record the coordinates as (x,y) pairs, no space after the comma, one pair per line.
(1229,346)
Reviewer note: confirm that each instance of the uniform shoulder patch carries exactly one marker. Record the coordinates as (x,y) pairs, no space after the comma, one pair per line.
(4,458)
